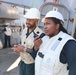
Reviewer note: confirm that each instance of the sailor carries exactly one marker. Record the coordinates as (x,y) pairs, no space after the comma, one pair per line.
(57,52)
(32,31)
(8,33)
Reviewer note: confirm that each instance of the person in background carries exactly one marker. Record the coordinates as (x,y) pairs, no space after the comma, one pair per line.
(57,52)
(24,26)
(28,35)
(1,44)
(8,33)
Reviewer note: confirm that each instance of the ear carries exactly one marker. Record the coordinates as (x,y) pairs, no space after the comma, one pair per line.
(57,26)
(36,22)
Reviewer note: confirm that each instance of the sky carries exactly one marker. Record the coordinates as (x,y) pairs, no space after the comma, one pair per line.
(38,3)
(31,3)
(70,4)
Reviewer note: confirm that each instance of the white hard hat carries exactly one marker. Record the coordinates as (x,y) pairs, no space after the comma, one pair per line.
(7,23)
(33,13)
(54,14)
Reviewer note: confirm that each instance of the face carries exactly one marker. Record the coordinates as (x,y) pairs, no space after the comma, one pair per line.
(8,25)
(31,23)
(50,27)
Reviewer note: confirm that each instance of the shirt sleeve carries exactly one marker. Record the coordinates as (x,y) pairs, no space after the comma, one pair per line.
(33,53)
(68,55)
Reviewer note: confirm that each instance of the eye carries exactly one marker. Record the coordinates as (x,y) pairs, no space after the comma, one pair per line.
(46,24)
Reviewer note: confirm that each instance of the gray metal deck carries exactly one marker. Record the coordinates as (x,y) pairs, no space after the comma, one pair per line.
(7,57)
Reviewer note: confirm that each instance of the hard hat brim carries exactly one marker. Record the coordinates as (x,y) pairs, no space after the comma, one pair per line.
(30,17)
(43,19)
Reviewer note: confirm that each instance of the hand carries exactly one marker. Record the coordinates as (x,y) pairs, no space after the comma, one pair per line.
(37,43)
(28,50)
(18,48)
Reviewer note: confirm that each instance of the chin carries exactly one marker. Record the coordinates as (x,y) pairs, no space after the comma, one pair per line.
(47,34)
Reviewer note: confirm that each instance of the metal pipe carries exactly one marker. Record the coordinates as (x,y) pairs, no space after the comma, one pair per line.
(74,25)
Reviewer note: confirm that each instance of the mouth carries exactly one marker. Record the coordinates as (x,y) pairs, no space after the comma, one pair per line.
(28,25)
(46,31)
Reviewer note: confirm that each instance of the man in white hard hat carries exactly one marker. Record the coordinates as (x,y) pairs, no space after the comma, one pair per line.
(27,60)
(8,33)
(57,52)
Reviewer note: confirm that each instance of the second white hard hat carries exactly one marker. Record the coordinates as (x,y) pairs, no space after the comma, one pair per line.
(53,14)
(33,13)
